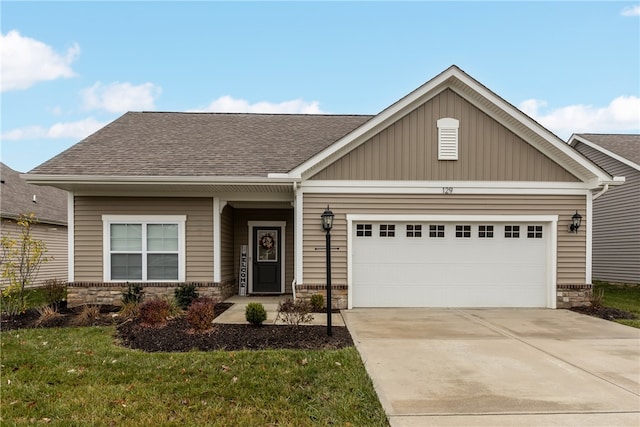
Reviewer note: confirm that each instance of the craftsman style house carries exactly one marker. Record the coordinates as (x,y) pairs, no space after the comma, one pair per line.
(449,197)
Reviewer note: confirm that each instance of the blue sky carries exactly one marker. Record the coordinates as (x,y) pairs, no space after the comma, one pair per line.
(69,68)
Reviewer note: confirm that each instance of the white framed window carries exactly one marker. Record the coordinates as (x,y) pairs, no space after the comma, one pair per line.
(448,138)
(145,248)
(512,231)
(363,230)
(485,231)
(414,230)
(387,230)
(463,231)
(534,232)
(436,230)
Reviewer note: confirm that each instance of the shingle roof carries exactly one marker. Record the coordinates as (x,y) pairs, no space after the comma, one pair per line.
(201,144)
(624,145)
(17,198)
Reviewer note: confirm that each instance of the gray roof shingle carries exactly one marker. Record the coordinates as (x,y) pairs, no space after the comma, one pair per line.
(624,145)
(201,144)
(17,198)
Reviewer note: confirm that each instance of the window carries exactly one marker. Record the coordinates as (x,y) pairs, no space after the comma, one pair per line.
(387,230)
(144,248)
(436,231)
(363,230)
(463,231)
(534,232)
(414,230)
(448,139)
(485,231)
(512,231)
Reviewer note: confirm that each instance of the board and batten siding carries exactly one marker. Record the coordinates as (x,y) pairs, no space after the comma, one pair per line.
(227,249)
(55,238)
(88,231)
(616,223)
(571,246)
(408,150)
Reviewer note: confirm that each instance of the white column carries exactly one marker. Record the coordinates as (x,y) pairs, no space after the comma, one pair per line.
(217,260)
(70,237)
(298,234)
(589,235)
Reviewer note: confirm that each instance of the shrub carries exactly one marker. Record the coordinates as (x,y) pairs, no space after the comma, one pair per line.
(597,298)
(10,302)
(255,313)
(88,315)
(155,311)
(134,293)
(55,291)
(47,315)
(317,302)
(185,294)
(294,313)
(129,310)
(201,313)
(174,309)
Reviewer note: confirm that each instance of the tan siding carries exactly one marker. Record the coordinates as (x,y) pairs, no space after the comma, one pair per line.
(616,225)
(241,226)
(571,246)
(408,150)
(55,239)
(88,231)
(226,244)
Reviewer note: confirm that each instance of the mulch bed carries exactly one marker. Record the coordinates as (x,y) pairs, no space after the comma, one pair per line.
(607,313)
(177,336)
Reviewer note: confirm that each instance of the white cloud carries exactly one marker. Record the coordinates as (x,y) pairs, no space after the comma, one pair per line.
(631,11)
(228,104)
(74,130)
(26,61)
(121,97)
(621,115)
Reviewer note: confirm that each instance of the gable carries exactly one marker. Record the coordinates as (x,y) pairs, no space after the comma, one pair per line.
(408,150)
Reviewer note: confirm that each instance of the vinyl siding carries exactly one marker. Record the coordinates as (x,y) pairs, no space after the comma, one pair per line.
(88,231)
(616,225)
(408,150)
(571,246)
(226,244)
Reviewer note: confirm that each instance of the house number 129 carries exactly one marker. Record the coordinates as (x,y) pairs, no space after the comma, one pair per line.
(447,190)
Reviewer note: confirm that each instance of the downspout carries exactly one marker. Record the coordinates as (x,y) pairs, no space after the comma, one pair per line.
(601,192)
(295,197)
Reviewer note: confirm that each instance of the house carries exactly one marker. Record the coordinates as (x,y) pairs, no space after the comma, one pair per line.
(616,224)
(449,197)
(49,205)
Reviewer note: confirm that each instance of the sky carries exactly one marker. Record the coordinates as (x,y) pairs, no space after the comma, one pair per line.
(69,68)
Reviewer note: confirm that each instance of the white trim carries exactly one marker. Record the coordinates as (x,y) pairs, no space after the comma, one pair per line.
(298,230)
(70,237)
(144,219)
(110,179)
(217,244)
(597,147)
(552,248)
(283,248)
(589,242)
(448,138)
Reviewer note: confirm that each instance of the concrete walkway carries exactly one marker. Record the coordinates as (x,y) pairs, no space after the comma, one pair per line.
(236,313)
(499,367)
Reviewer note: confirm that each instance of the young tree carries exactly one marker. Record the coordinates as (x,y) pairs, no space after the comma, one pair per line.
(20,262)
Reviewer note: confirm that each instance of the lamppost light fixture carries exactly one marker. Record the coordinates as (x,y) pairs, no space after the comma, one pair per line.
(327,224)
(327,219)
(576,219)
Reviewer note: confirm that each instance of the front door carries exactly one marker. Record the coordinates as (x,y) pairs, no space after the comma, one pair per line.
(267,260)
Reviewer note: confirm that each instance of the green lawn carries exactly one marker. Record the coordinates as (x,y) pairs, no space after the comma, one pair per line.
(622,297)
(78,376)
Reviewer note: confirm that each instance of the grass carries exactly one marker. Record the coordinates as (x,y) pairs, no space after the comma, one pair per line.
(622,297)
(77,376)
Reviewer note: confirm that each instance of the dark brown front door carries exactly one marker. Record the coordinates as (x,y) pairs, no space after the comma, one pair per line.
(267,260)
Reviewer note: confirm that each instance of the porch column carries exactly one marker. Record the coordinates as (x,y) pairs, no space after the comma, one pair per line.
(297,219)
(218,206)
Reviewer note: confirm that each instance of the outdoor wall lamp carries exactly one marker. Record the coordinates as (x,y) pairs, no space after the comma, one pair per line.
(576,219)
(327,224)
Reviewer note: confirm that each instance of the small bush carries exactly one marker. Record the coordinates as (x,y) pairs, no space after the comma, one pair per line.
(88,315)
(134,293)
(294,313)
(201,313)
(47,315)
(174,309)
(155,311)
(55,291)
(185,294)
(317,302)
(10,303)
(129,311)
(597,298)
(255,313)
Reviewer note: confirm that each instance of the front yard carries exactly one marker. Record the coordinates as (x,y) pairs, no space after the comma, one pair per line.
(622,297)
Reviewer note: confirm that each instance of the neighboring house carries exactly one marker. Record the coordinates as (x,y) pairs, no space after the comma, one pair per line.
(49,205)
(616,223)
(449,197)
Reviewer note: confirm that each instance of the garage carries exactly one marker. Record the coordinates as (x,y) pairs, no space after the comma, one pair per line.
(450,263)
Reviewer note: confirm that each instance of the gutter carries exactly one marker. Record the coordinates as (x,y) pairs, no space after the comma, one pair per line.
(102,179)
(601,192)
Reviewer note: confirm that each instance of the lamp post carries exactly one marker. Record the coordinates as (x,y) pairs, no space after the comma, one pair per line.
(327,223)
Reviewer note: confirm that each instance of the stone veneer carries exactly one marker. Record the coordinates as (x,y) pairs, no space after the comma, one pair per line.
(79,293)
(568,296)
(339,294)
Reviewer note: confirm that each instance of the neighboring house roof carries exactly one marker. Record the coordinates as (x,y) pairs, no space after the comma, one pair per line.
(622,147)
(201,144)
(18,197)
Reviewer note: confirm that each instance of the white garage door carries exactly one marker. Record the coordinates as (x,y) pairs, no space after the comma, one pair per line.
(440,264)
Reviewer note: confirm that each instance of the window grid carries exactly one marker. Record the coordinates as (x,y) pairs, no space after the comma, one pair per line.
(463,231)
(414,230)
(534,232)
(436,231)
(387,230)
(485,231)
(512,231)
(363,230)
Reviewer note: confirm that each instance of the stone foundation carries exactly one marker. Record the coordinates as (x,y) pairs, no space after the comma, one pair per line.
(568,296)
(80,293)
(339,294)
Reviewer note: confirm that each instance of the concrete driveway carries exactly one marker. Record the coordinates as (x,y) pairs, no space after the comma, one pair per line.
(499,367)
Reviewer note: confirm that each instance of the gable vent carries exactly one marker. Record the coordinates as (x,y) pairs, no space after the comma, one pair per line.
(448,139)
